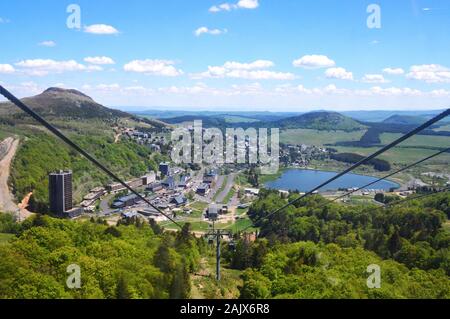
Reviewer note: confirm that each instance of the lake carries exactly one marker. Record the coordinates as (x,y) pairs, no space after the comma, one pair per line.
(304,180)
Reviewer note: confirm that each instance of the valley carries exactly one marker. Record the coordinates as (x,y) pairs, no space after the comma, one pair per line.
(137,147)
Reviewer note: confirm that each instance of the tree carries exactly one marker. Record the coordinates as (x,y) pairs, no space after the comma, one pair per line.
(122,290)
(394,243)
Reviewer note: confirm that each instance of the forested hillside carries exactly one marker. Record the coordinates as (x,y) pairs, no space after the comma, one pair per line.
(306,252)
(41,153)
(127,261)
(306,270)
(312,250)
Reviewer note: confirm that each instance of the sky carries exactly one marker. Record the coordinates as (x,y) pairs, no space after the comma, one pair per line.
(234,55)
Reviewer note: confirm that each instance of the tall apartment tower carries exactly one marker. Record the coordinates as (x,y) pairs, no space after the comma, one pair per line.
(60,192)
(164,168)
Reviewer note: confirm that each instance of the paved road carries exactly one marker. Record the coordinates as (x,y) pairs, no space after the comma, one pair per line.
(104,205)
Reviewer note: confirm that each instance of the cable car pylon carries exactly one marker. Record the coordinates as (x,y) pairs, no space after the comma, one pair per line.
(215,235)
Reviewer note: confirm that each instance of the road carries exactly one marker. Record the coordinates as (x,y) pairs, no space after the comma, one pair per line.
(230,183)
(104,205)
(8,150)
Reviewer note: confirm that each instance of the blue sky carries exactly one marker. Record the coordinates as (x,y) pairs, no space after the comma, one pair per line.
(282,55)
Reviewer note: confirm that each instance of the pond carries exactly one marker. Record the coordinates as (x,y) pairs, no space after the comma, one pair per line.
(304,180)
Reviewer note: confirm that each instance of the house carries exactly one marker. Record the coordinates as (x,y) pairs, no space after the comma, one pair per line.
(125,201)
(130,215)
(169,183)
(252,191)
(210,177)
(164,168)
(179,201)
(150,212)
(214,210)
(155,148)
(212,213)
(185,181)
(154,188)
(149,178)
(73,213)
(203,190)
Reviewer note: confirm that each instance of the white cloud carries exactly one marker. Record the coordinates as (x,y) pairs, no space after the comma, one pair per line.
(394,71)
(48,44)
(374,78)
(395,91)
(99,60)
(205,30)
(314,62)
(108,87)
(339,73)
(250,71)
(153,67)
(430,73)
(284,97)
(100,29)
(260,75)
(42,67)
(248,4)
(375,91)
(195,89)
(440,93)
(258,64)
(3,20)
(242,4)
(6,69)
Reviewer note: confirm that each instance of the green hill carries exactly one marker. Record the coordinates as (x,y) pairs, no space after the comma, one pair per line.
(323,121)
(59,102)
(405,119)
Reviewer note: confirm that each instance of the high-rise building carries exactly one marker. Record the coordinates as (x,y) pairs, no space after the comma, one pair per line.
(164,168)
(60,192)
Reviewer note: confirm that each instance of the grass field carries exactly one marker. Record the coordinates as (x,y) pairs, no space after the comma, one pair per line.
(399,156)
(444,128)
(198,206)
(318,138)
(241,211)
(5,238)
(242,224)
(418,140)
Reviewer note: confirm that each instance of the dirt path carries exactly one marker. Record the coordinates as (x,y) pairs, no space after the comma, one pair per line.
(8,149)
(117,138)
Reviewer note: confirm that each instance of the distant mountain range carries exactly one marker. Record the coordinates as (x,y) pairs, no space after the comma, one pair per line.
(58,102)
(380,116)
(362,116)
